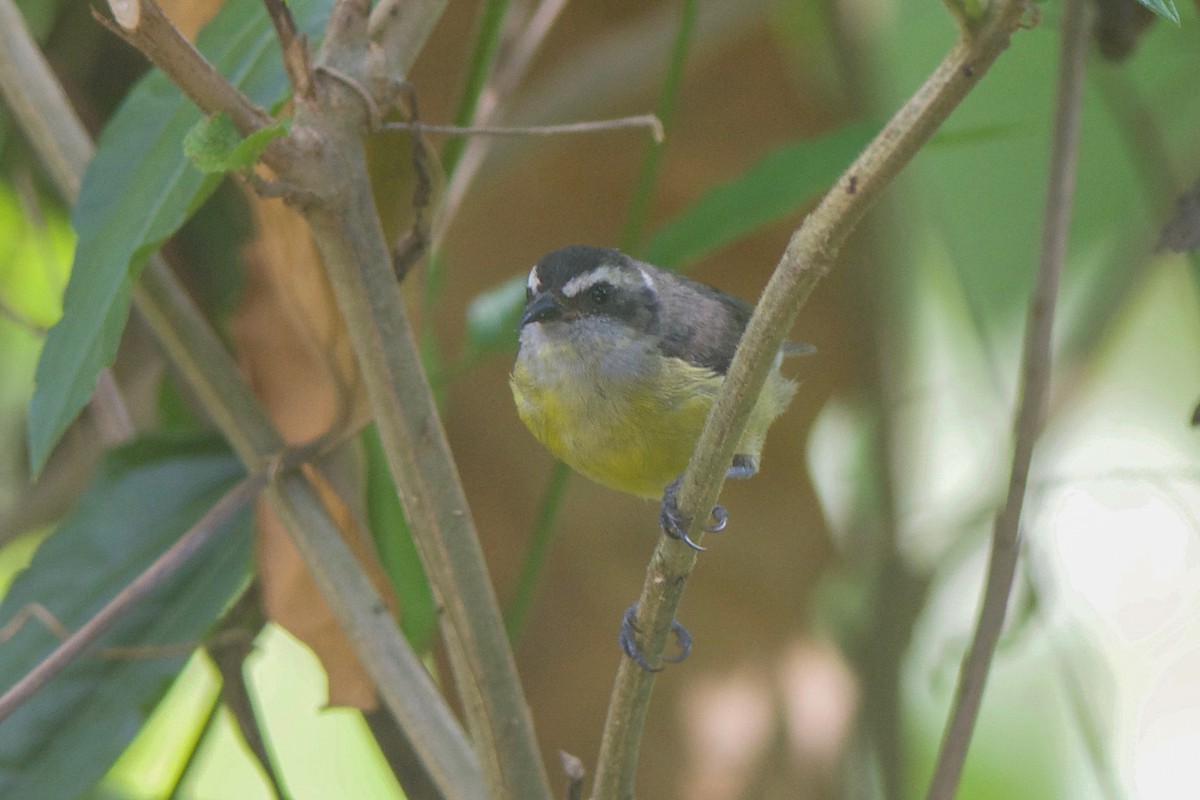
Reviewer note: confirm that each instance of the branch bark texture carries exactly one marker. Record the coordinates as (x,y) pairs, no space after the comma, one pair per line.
(809,255)
(199,355)
(347,231)
(323,159)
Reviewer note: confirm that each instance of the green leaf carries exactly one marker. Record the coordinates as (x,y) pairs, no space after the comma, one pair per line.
(397,551)
(137,191)
(777,185)
(213,145)
(493,315)
(1164,8)
(143,498)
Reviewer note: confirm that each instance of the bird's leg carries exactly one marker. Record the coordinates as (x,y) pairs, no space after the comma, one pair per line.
(628,641)
(673,521)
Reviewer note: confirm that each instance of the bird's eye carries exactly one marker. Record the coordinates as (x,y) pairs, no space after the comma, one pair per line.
(599,293)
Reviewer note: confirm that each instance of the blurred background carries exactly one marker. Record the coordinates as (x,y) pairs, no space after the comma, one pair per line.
(831,617)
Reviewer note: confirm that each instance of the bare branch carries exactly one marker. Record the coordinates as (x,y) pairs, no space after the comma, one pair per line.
(349,236)
(641,121)
(809,255)
(1034,399)
(294,48)
(509,71)
(143,24)
(399,28)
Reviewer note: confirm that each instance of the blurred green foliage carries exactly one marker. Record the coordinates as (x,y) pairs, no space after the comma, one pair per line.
(953,272)
(143,498)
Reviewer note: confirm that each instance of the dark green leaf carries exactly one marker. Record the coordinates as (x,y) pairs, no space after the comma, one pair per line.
(397,552)
(142,500)
(1164,8)
(137,191)
(777,185)
(214,146)
(492,317)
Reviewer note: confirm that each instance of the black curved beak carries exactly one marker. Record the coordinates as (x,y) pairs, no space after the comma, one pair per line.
(540,309)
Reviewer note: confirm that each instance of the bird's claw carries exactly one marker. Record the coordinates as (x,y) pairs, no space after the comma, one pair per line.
(628,641)
(720,519)
(675,524)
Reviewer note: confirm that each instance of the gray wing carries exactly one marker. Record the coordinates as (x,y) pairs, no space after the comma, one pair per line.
(700,324)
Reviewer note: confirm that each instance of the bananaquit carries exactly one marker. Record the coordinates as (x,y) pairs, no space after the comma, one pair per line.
(618,366)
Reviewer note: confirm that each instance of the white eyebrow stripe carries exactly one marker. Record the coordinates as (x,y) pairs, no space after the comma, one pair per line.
(535,285)
(647,281)
(607,273)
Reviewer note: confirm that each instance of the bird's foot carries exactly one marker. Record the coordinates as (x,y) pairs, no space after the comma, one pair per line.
(675,523)
(628,641)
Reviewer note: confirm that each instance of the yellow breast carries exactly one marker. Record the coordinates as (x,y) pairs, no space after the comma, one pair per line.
(632,428)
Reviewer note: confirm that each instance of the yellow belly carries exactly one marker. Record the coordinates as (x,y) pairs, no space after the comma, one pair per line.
(635,436)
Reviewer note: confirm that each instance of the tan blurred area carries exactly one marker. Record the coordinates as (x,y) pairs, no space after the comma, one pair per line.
(747,602)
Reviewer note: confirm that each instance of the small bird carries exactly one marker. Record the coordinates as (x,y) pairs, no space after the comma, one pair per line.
(618,366)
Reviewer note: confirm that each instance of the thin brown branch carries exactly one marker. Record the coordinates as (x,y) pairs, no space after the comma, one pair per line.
(37,611)
(153,576)
(294,48)
(596,126)
(809,255)
(358,262)
(347,231)
(510,70)
(412,246)
(142,24)
(1034,399)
